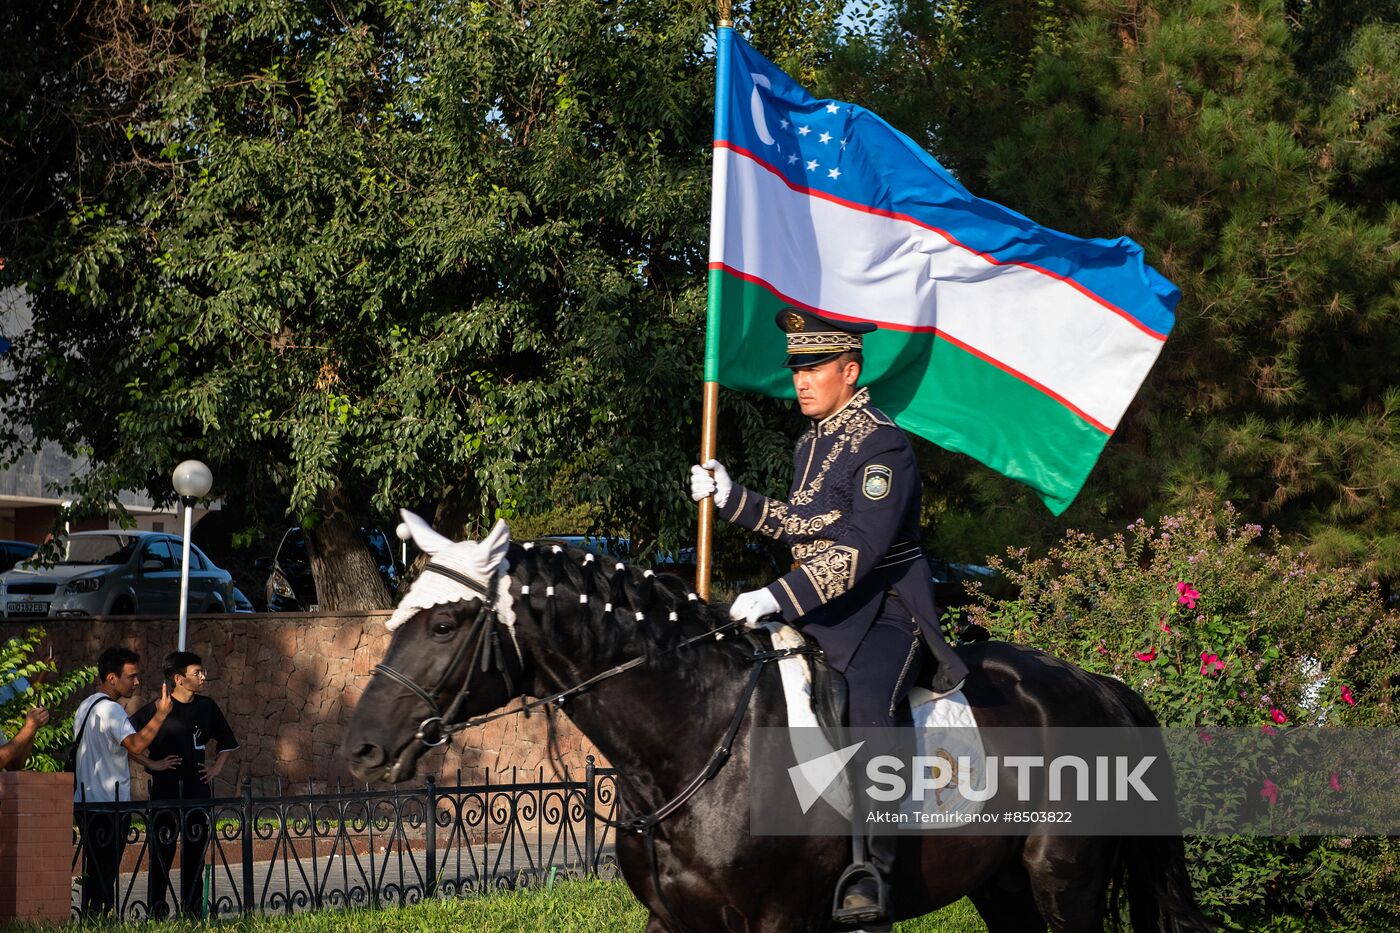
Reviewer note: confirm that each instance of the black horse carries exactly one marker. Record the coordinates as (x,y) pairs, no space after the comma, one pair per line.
(633,660)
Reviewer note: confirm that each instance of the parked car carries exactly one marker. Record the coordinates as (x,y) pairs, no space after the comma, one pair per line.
(114,573)
(290,586)
(949,579)
(12,552)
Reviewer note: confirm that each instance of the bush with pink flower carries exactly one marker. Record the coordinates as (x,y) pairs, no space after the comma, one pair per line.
(1218,624)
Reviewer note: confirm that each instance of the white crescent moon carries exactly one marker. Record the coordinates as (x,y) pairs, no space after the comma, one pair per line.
(760,122)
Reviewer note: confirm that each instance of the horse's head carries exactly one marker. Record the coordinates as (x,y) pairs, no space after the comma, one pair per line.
(452,655)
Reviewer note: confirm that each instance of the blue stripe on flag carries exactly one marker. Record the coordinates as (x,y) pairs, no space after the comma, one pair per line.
(849,154)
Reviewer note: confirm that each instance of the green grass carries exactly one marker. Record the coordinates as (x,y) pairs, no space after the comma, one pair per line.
(569,907)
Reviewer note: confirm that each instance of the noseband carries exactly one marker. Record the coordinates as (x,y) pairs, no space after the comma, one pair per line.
(483,643)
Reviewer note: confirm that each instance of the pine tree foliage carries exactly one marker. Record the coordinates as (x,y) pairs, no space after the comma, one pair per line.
(1254,154)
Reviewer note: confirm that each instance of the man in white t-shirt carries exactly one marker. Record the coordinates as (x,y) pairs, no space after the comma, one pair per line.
(105,739)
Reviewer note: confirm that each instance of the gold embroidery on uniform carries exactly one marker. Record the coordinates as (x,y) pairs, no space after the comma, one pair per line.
(795,526)
(832,572)
(852,408)
(860,431)
(859,428)
(770,507)
(792,597)
(810,453)
(801,552)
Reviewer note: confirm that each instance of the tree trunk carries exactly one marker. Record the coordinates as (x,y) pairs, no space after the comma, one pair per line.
(345,573)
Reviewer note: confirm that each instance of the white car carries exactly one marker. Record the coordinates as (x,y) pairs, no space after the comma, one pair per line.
(114,573)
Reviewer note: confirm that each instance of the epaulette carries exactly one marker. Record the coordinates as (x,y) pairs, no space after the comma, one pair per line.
(879,417)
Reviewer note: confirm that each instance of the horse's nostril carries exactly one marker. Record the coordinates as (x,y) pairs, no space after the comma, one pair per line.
(369,755)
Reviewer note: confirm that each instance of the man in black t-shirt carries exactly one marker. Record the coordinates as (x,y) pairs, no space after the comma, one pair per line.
(198,734)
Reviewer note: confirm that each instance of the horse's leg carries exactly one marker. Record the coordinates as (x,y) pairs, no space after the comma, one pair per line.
(1069,875)
(1006,902)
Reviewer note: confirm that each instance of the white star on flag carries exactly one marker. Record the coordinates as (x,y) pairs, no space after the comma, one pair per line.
(812,165)
(843,144)
(834,173)
(784,124)
(792,158)
(832,108)
(803,130)
(825,137)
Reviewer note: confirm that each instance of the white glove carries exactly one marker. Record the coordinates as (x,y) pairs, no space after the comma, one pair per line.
(702,484)
(753,606)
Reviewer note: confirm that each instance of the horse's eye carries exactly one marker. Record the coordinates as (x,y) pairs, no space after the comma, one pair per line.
(443,628)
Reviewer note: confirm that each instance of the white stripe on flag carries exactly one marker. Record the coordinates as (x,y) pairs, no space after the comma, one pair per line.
(858,264)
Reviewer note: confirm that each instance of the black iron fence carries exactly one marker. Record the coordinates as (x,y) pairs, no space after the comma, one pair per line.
(284,853)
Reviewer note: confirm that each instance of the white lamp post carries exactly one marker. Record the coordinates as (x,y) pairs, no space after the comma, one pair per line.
(192,481)
(404,534)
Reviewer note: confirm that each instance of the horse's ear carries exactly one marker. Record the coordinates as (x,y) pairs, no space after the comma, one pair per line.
(496,543)
(428,541)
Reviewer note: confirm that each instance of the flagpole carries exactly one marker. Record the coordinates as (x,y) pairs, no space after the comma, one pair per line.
(709,433)
(709,416)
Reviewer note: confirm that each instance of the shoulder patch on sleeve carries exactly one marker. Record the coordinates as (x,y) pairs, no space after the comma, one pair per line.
(876,483)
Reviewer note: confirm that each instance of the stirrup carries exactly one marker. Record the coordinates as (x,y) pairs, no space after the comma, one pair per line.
(852,916)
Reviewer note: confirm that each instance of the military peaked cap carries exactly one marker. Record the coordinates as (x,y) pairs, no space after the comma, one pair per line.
(813,339)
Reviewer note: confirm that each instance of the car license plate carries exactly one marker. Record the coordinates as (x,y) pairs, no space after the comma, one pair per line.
(27,607)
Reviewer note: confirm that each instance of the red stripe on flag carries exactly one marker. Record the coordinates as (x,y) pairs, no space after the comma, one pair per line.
(965,347)
(880,212)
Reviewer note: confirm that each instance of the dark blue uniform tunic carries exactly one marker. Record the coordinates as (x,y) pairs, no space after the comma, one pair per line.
(861,587)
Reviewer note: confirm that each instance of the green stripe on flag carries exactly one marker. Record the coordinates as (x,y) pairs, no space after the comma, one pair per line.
(931,388)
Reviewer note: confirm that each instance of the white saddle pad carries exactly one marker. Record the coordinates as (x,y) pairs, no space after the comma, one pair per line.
(944,729)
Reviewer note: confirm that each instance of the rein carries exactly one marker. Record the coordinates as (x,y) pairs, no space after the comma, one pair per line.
(437,728)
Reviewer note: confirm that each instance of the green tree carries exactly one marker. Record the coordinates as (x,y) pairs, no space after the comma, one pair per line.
(28,679)
(1254,156)
(372,254)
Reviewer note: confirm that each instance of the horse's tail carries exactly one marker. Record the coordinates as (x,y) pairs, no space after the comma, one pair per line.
(1160,899)
(1151,870)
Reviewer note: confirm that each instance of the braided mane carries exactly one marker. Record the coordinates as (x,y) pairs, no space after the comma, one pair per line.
(629,612)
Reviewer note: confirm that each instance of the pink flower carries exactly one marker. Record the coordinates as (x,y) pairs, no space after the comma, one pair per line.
(1269,792)
(1211,662)
(1148,655)
(1333,783)
(1278,716)
(1346,696)
(1102,650)
(1268,729)
(1188,595)
(1205,736)
(1162,624)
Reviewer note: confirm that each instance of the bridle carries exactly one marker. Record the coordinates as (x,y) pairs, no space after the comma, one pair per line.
(482,644)
(436,728)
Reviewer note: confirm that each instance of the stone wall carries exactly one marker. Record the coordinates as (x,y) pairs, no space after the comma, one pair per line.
(288,685)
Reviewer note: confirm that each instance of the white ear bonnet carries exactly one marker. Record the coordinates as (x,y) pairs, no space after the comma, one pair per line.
(478,561)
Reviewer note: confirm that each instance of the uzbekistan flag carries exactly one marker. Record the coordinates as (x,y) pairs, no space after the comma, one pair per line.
(1012,343)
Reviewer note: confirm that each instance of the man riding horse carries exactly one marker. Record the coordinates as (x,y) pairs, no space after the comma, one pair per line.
(861,587)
